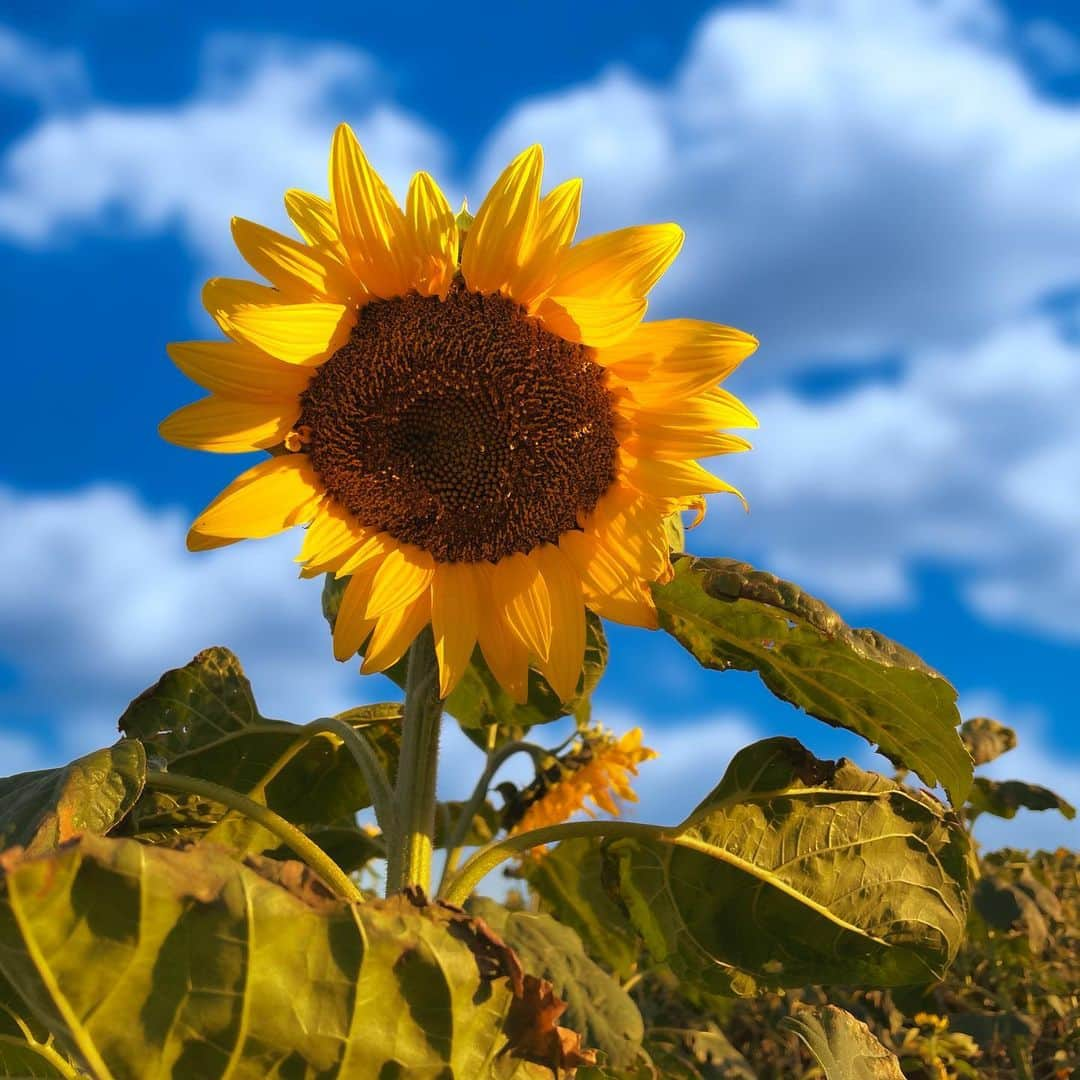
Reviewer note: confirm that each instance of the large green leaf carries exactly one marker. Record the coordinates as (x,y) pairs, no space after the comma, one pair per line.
(732,616)
(149,962)
(201,720)
(597,1006)
(794,871)
(570,880)
(842,1045)
(27,1050)
(39,810)
(479,702)
(1003,798)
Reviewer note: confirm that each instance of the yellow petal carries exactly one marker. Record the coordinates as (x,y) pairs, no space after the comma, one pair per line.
(556,223)
(504,653)
(299,271)
(270,497)
(563,666)
(314,220)
(434,236)
(635,535)
(351,629)
(370,549)
(674,444)
(233,369)
(708,411)
(498,239)
(225,426)
(624,263)
(522,595)
(402,576)
(610,589)
(455,609)
(222,297)
(395,632)
(372,227)
(675,479)
(296,333)
(328,539)
(676,357)
(597,322)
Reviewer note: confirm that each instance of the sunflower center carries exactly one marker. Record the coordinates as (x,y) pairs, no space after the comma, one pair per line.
(461,426)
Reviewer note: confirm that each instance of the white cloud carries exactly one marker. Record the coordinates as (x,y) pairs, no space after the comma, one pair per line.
(50,77)
(259,123)
(103,597)
(855,178)
(969,458)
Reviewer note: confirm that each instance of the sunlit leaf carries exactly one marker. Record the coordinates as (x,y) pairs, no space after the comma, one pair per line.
(598,1007)
(39,810)
(794,871)
(731,616)
(152,962)
(842,1045)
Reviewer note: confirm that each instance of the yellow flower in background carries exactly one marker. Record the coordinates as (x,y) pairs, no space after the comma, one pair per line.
(474,424)
(597,772)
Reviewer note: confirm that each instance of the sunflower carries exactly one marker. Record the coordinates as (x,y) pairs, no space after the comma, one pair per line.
(469,415)
(597,770)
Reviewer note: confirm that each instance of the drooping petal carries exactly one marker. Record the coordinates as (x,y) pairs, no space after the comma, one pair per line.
(567,653)
(676,358)
(498,239)
(304,334)
(372,227)
(395,632)
(330,537)
(434,236)
(675,479)
(455,610)
(403,575)
(270,497)
(610,589)
(301,272)
(233,369)
(521,594)
(351,629)
(225,426)
(504,654)
(556,224)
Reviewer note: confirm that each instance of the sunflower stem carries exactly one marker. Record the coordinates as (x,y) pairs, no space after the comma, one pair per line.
(488,858)
(285,831)
(409,850)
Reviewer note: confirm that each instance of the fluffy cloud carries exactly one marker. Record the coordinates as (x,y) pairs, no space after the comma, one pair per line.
(106,593)
(53,79)
(855,178)
(969,457)
(259,123)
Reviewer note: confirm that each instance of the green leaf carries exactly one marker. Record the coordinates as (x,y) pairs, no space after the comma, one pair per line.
(152,962)
(986,739)
(26,1050)
(570,880)
(1003,798)
(731,616)
(842,1045)
(696,1055)
(202,720)
(39,810)
(597,1006)
(794,871)
(479,702)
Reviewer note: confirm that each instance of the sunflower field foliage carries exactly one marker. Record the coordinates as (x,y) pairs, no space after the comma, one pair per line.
(491,452)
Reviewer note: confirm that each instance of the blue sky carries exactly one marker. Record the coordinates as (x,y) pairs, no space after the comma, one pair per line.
(888,195)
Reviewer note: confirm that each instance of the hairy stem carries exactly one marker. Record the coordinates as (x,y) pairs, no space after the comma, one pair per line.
(288,834)
(410,847)
(488,858)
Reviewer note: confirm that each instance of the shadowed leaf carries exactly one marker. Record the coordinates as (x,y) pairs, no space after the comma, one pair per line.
(842,1045)
(152,962)
(986,739)
(794,871)
(731,616)
(39,810)
(1003,798)
(597,1006)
